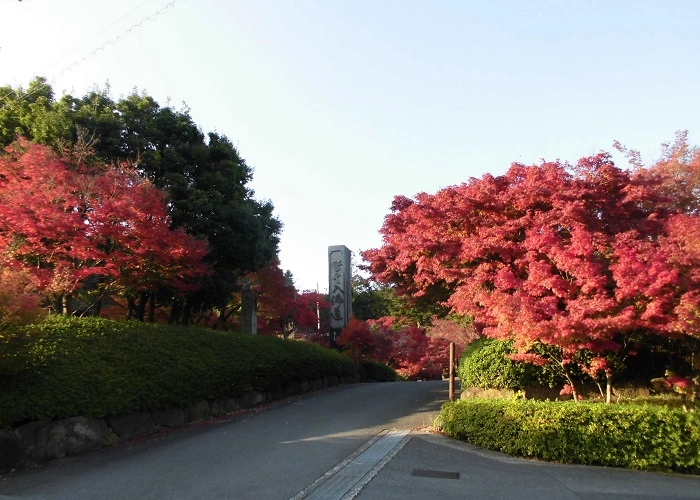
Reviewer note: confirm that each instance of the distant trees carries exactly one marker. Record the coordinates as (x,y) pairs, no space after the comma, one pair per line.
(282,310)
(373,300)
(587,261)
(414,352)
(412,335)
(205,180)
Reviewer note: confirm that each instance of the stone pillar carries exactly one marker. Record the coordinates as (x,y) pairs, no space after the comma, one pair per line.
(339,289)
(249,311)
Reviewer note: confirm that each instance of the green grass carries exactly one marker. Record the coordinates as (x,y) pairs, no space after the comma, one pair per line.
(97,367)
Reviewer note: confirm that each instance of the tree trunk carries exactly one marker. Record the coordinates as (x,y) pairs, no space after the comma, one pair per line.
(97,307)
(141,306)
(187,313)
(288,329)
(175,311)
(568,379)
(65,305)
(152,307)
(574,394)
(130,307)
(600,388)
(221,320)
(608,387)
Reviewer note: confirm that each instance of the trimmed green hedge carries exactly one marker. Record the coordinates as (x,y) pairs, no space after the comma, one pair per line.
(97,367)
(378,372)
(484,363)
(632,436)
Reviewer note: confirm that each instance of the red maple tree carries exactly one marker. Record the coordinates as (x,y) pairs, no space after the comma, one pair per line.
(126,217)
(41,227)
(577,258)
(64,223)
(282,310)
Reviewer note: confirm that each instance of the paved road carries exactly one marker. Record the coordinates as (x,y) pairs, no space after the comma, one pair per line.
(323,445)
(274,453)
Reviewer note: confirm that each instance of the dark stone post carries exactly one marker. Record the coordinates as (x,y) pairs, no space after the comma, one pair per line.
(249,311)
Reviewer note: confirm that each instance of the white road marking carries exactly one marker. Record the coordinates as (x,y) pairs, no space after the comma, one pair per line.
(347,478)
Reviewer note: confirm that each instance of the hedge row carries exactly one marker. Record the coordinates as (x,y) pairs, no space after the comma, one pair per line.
(631,436)
(377,372)
(97,367)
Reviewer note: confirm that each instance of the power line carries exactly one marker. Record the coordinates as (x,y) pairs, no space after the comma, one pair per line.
(113,41)
(150,18)
(98,33)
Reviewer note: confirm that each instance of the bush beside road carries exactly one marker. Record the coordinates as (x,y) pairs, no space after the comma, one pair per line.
(633,436)
(95,367)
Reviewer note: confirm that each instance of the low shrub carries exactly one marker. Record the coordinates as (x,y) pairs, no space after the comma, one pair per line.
(484,364)
(378,372)
(632,436)
(97,367)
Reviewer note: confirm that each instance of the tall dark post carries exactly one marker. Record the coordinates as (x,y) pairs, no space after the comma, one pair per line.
(249,311)
(339,289)
(452,371)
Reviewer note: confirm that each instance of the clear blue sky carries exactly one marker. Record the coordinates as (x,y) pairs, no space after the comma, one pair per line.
(340,105)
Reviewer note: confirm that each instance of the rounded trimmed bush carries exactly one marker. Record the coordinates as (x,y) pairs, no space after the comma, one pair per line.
(484,364)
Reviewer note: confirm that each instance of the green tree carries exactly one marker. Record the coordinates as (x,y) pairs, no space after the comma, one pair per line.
(369,299)
(206,179)
(33,113)
(374,300)
(289,278)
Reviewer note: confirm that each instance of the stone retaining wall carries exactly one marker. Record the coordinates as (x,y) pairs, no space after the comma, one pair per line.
(38,442)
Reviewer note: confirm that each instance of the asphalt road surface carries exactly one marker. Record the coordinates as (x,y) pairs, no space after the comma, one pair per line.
(272,453)
(368,441)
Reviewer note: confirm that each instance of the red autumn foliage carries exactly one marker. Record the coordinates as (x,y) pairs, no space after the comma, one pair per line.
(274,298)
(307,307)
(357,340)
(574,257)
(283,310)
(129,220)
(417,356)
(19,300)
(41,228)
(63,223)
(450,331)
(407,349)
